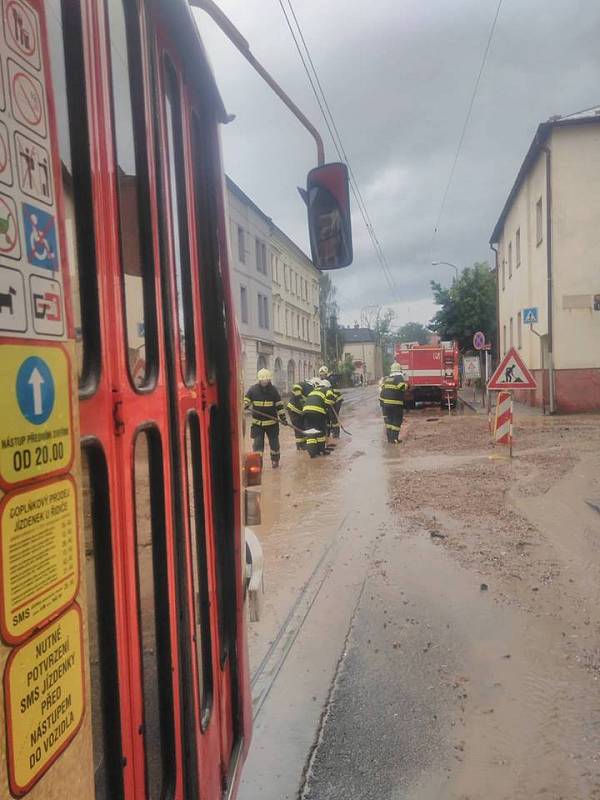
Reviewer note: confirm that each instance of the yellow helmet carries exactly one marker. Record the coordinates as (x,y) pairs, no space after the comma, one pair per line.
(324,371)
(264,375)
(395,368)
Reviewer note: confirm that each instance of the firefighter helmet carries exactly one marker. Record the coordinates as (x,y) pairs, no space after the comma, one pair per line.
(324,371)
(395,368)
(264,375)
(325,384)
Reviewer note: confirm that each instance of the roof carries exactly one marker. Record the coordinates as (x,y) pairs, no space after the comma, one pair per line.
(585,117)
(358,335)
(243,197)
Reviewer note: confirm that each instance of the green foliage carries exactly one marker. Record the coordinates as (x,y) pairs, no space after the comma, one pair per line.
(331,338)
(347,370)
(469,305)
(413,332)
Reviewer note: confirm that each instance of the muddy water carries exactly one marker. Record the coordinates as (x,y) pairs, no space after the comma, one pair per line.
(441,689)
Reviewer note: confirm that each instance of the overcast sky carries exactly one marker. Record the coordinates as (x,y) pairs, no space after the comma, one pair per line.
(399,75)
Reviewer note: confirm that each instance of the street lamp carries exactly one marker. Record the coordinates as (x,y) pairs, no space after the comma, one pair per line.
(446,264)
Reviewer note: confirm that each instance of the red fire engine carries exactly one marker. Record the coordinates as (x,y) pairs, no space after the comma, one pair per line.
(431,371)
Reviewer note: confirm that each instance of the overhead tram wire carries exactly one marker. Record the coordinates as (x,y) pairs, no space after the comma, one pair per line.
(467,118)
(338,144)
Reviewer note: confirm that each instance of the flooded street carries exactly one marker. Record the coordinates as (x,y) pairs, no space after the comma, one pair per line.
(430,620)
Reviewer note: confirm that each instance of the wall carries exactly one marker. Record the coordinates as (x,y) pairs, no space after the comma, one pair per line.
(370,354)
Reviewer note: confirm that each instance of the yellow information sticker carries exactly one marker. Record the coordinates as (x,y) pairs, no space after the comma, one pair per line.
(39,556)
(36,429)
(44,697)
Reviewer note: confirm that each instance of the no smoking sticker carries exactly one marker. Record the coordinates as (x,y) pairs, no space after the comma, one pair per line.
(27,99)
(36,433)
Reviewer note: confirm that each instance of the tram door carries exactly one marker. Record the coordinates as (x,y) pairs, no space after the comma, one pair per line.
(157,486)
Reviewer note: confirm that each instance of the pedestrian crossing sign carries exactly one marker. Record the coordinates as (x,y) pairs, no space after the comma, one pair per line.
(512,373)
(530,316)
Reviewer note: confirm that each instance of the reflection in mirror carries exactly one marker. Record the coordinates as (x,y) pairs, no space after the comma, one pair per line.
(329,216)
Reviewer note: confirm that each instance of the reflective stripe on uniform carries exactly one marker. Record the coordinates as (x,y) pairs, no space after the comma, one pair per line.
(294,408)
(391,427)
(387,402)
(315,408)
(264,422)
(263,403)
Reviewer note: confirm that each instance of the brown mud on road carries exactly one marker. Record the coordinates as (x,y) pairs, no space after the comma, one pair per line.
(529,529)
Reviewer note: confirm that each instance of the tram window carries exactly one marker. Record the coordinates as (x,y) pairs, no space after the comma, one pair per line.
(132,185)
(205,188)
(177,197)
(68,81)
(223,526)
(153,612)
(106,724)
(197,524)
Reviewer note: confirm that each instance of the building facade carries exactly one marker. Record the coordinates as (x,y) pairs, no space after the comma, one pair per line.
(547,241)
(276,294)
(296,323)
(363,347)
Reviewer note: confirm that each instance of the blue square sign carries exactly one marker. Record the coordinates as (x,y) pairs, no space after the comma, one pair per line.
(40,237)
(530,316)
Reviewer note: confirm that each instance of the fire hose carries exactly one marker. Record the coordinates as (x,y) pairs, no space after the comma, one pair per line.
(291,425)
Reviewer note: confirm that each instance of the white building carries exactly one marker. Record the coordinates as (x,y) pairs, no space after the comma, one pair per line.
(547,240)
(296,322)
(276,294)
(249,231)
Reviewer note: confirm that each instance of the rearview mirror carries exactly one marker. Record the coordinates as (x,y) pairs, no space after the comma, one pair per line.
(328,201)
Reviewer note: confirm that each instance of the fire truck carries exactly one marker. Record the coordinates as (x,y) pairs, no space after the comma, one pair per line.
(431,371)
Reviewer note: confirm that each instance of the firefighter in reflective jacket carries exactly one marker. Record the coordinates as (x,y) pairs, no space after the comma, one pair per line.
(316,414)
(336,398)
(294,408)
(266,405)
(391,400)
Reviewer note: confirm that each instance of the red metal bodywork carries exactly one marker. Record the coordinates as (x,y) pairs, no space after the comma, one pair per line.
(432,371)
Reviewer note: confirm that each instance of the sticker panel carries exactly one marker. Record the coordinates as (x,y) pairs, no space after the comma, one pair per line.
(35,408)
(10,240)
(39,556)
(47,305)
(27,99)
(44,698)
(13,316)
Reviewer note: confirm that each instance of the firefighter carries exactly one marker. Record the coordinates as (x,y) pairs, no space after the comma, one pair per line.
(266,405)
(337,397)
(391,400)
(315,418)
(294,409)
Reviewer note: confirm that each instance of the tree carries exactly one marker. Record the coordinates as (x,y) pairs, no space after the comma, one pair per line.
(469,305)
(330,330)
(413,332)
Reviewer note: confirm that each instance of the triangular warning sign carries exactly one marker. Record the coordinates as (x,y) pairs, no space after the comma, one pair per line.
(512,374)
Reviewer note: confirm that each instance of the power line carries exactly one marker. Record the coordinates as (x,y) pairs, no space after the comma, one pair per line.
(329,119)
(468,116)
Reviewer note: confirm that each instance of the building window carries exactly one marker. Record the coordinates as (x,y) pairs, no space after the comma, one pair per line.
(285,276)
(244,303)
(263,311)
(261,257)
(297,283)
(504,339)
(241,245)
(518,247)
(511,332)
(503,274)
(539,229)
(510,259)
(287,322)
(519,330)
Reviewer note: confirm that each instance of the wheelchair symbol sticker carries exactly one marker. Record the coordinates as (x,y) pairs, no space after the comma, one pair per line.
(40,237)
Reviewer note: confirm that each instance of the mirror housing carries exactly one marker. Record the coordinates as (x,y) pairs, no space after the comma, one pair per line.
(329,222)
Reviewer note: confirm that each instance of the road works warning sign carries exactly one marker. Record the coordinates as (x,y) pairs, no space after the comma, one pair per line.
(39,556)
(512,374)
(44,698)
(35,408)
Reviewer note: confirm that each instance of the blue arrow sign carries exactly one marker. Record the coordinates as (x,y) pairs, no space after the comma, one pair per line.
(35,390)
(530,316)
